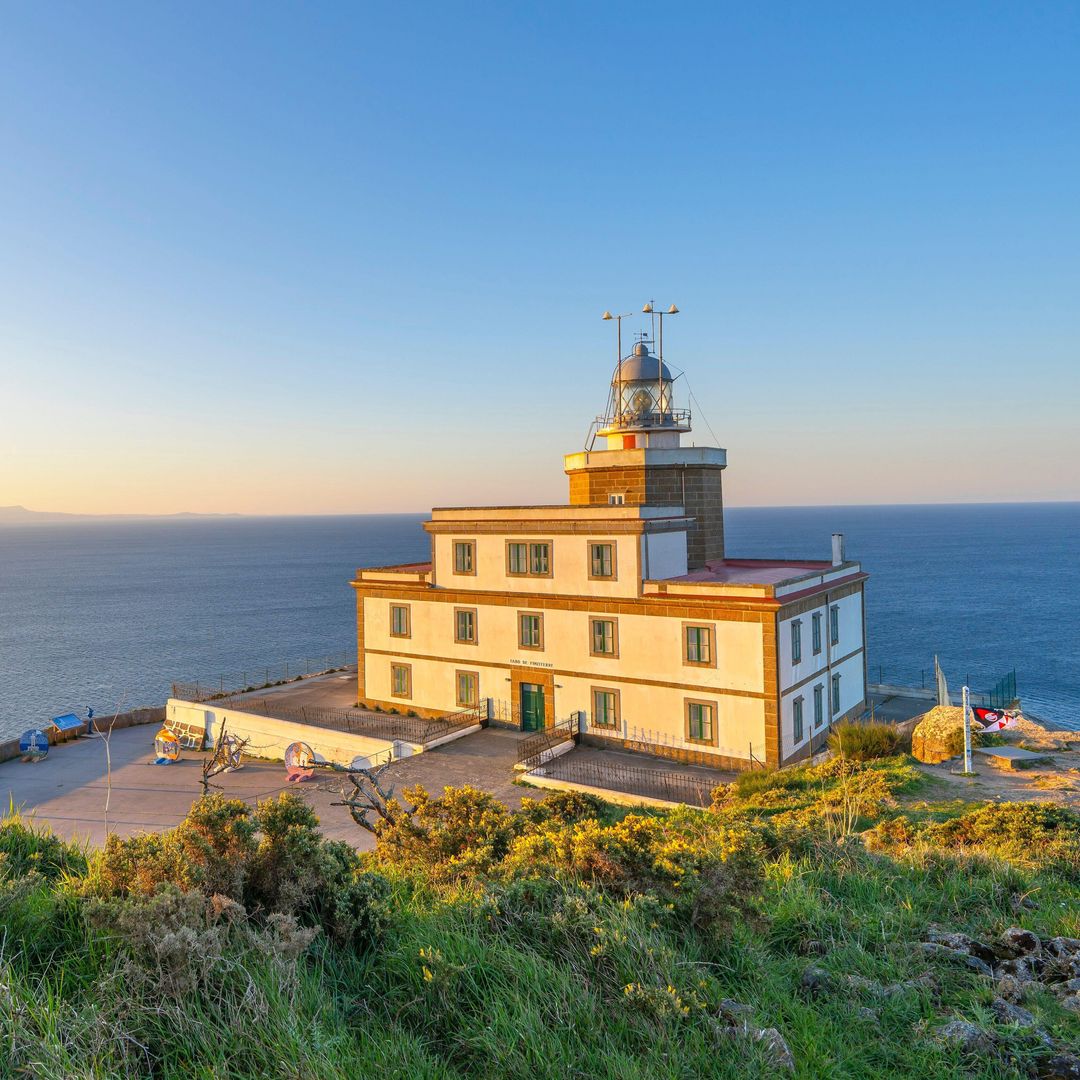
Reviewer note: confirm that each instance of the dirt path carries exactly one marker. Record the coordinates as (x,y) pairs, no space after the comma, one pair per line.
(1057,781)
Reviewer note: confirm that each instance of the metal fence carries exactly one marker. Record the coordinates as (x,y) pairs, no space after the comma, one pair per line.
(1003,693)
(260,676)
(535,746)
(361,721)
(647,783)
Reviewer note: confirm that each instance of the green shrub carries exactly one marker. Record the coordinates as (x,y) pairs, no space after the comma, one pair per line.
(564,807)
(863,742)
(24,849)
(466,830)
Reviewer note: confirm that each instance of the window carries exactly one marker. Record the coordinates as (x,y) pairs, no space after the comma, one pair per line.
(700,722)
(528,559)
(834,625)
(517,558)
(796,641)
(835,694)
(465,625)
(468,687)
(796,720)
(605,708)
(605,637)
(464,556)
(601,560)
(399,620)
(697,645)
(815,631)
(530,631)
(616,500)
(540,559)
(400,680)
(819,705)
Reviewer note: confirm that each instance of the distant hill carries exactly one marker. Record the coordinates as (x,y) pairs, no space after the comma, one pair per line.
(19,515)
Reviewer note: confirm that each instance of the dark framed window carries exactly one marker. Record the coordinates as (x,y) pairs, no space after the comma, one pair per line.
(796,641)
(468,687)
(465,626)
(604,637)
(698,645)
(540,559)
(605,707)
(701,722)
(401,680)
(530,630)
(517,559)
(835,694)
(797,720)
(834,624)
(819,705)
(601,560)
(815,631)
(399,620)
(464,556)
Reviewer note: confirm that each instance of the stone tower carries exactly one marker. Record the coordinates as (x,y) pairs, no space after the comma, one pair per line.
(645,462)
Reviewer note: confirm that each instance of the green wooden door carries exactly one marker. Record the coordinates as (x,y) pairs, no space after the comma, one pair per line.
(532,707)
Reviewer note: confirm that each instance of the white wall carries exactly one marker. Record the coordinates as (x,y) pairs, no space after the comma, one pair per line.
(650,648)
(663,555)
(851,639)
(569,562)
(269,738)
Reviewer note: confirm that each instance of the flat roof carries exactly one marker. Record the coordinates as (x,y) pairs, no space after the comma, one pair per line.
(754,571)
(559,512)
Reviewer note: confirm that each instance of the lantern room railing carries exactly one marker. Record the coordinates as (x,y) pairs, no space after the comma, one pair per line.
(669,418)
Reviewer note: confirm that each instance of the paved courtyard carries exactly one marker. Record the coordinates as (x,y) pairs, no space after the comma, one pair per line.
(68,790)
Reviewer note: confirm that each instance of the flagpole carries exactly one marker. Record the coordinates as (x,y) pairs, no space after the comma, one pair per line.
(967,733)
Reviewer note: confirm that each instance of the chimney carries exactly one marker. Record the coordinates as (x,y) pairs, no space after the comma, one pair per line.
(837,548)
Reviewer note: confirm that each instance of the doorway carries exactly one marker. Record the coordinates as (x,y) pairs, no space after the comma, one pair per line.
(532,707)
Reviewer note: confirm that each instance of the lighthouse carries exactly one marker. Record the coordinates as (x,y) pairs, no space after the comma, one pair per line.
(643,461)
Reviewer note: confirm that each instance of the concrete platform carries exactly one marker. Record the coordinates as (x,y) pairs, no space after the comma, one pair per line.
(1010,757)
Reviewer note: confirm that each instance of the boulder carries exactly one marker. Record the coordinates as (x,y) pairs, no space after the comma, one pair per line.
(939,735)
(780,1056)
(1016,942)
(955,956)
(967,1037)
(1059,1067)
(1005,1012)
(816,981)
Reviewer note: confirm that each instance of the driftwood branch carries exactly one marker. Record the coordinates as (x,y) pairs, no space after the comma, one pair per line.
(367,796)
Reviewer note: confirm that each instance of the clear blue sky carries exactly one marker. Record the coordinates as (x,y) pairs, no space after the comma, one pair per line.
(333,258)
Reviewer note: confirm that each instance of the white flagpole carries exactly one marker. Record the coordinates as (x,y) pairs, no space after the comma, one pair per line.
(967,733)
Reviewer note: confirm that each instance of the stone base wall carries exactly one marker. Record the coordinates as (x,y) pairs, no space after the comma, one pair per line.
(670,753)
(697,488)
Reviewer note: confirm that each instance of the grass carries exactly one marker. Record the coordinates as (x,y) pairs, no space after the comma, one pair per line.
(567,941)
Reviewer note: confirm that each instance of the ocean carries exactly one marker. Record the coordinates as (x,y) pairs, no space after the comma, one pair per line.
(108,614)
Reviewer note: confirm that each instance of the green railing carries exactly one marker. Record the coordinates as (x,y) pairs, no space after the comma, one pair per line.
(1003,693)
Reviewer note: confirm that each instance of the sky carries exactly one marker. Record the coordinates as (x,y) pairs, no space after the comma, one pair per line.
(347,258)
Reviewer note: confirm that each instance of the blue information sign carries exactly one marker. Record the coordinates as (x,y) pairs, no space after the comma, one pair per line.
(34,744)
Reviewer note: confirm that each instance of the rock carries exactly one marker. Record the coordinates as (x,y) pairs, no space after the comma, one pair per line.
(779,1052)
(926,982)
(870,1015)
(1010,988)
(955,956)
(965,944)
(1061,969)
(735,1011)
(1063,946)
(966,1037)
(1071,1002)
(813,947)
(1007,1013)
(860,983)
(1022,969)
(1016,942)
(816,981)
(1059,1067)
(1072,986)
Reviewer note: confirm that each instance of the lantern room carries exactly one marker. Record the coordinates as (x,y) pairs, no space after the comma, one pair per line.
(641,411)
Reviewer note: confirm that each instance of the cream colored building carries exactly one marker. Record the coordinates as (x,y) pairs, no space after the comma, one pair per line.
(621,607)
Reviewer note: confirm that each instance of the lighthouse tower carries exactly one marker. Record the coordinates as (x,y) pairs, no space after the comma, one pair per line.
(643,461)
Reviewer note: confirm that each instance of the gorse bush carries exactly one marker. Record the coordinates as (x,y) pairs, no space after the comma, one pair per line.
(569,939)
(864,742)
(272,860)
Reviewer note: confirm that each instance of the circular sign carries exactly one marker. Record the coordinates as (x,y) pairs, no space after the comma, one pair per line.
(299,755)
(34,744)
(166,746)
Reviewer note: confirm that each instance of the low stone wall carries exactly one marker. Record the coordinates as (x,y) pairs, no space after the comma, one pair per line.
(9,749)
(269,738)
(621,798)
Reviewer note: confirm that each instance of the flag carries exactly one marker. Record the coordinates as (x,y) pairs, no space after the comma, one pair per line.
(993,719)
